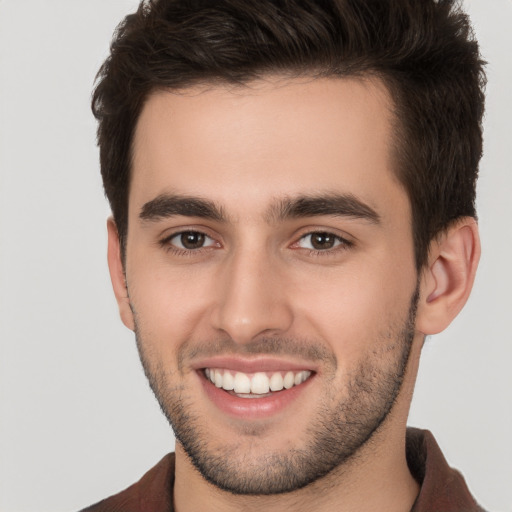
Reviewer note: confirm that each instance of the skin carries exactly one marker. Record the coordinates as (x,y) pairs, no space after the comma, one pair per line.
(256,278)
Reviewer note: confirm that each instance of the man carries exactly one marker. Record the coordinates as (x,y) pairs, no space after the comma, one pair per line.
(292,186)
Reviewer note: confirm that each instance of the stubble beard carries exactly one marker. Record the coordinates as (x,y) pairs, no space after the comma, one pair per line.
(341,426)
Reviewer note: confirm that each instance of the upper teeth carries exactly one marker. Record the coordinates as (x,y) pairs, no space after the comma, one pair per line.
(257,383)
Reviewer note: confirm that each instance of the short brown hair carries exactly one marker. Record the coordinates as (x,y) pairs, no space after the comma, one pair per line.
(423,50)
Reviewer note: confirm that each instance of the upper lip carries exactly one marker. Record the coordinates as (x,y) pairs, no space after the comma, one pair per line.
(252,365)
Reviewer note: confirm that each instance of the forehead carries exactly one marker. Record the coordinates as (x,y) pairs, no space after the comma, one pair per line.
(274,138)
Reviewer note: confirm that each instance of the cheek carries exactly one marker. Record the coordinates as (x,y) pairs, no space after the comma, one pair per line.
(169,306)
(354,310)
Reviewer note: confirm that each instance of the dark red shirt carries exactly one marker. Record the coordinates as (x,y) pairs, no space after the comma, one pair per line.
(443,489)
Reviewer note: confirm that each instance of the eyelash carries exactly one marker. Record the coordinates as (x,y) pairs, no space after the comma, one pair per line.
(343,244)
(178,251)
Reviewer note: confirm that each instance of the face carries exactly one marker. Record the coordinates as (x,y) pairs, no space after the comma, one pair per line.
(270,274)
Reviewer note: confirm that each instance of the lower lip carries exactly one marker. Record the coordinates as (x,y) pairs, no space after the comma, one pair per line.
(252,408)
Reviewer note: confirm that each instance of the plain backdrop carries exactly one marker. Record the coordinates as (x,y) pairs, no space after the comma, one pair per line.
(77,419)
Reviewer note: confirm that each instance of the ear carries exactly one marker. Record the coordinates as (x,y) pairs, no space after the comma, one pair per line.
(117,275)
(448,277)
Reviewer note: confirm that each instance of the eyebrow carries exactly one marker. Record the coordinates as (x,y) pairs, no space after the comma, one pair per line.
(336,205)
(170,205)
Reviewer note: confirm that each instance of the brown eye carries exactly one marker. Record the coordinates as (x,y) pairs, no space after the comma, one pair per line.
(322,241)
(192,239)
(189,241)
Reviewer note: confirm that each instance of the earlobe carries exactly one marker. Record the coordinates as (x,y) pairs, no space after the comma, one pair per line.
(448,277)
(117,275)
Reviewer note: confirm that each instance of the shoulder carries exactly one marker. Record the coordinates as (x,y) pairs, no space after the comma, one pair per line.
(153,492)
(442,487)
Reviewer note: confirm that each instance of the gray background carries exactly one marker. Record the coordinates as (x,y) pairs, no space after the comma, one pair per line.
(77,420)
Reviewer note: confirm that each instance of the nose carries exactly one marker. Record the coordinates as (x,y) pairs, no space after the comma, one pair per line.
(251,299)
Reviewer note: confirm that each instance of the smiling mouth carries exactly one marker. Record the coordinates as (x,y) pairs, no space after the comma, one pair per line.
(255,385)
